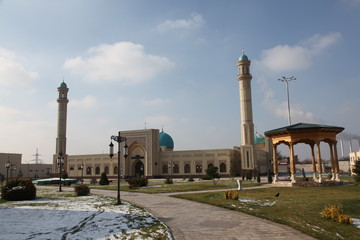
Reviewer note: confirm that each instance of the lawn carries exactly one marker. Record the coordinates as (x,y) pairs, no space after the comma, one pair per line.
(158,186)
(299,208)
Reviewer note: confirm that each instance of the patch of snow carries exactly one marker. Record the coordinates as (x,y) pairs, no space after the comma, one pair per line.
(88,217)
(339,236)
(245,200)
(356,222)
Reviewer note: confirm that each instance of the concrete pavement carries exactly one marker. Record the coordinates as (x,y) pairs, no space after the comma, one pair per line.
(192,220)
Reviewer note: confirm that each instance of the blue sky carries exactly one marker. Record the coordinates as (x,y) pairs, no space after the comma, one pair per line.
(172,64)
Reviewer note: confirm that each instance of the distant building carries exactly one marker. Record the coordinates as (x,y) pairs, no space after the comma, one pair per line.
(354,156)
(17,169)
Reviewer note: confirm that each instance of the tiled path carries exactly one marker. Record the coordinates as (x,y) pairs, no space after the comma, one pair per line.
(192,220)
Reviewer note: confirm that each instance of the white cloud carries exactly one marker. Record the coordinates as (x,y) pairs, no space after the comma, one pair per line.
(156,101)
(12,70)
(122,62)
(87,102)
(195,21)
(299,57)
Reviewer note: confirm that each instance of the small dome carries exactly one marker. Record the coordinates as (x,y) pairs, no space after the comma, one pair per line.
(166,140)
(259,138)
(243,57)
(63,85)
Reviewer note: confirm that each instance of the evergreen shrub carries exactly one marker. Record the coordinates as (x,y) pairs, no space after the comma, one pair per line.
(135,182)
(104,179)
(82,190)
(18,189)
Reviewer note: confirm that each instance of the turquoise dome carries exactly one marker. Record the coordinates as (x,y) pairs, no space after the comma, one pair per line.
(259,138)
(243,57)
(166,140)
(63,85)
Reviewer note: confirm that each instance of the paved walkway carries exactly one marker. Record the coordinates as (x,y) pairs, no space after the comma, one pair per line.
(192,220)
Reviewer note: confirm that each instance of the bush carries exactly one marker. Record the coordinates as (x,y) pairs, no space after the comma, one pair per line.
(104,179)
(191,179)
(82,190)
(335,213)
(93,181)
(18,189)
(135,182)
(234,195)
(168,180)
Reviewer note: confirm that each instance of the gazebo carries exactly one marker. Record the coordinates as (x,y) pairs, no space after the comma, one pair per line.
(311,134)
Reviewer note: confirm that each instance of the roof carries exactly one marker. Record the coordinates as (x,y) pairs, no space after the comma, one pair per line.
(243,57)
(303,126)
(166,140)
(63,85)
(259,138)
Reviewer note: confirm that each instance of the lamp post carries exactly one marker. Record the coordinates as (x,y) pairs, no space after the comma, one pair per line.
(82,172)
(7,166)
(60,162)
(198,169)
(118,139)
(287,80)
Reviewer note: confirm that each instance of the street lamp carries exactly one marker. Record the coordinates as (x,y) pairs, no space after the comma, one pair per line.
(198,169)
(7,166)
(118,139)
(287,80)
(82,172)
(60,162)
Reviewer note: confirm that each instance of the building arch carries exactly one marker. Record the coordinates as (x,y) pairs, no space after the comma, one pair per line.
(222,167)
(187,168)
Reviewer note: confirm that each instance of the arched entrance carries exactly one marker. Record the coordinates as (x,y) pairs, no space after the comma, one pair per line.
(139,169)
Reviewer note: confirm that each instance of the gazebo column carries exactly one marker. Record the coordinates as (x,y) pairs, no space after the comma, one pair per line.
(313,162)
(332,162)
(319,160)
(276,171)
(292,163)
(336,161)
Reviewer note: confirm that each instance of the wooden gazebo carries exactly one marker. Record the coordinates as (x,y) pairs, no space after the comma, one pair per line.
(311,134)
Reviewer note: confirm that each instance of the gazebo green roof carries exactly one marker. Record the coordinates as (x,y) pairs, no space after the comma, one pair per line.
(303,126)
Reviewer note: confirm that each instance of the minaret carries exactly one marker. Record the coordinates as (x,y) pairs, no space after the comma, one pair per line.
(247,126)
(61,127)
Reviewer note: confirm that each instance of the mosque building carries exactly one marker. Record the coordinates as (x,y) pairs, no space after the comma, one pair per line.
(152,154)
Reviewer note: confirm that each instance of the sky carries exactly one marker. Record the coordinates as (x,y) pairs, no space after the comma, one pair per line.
(171,65)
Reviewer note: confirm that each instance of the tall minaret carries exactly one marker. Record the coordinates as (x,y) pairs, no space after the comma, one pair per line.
(247,125)
(62,116)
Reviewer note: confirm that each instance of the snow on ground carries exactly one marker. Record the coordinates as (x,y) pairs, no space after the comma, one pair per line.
(88,217)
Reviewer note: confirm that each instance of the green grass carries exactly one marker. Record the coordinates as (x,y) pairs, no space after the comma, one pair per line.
(298,208)
(158,186)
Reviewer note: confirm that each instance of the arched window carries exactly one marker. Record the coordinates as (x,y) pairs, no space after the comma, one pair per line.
(165,168)
(198,168)
(222,167)
(187,168)
(210,165)
(97,170)
(88,171)
(71,168)
(115,170)
(176,168)
(106,170)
